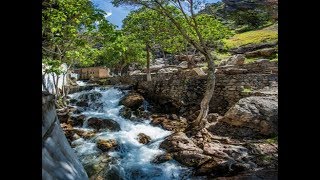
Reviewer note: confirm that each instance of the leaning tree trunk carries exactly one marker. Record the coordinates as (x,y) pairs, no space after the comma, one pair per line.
(201,120)
(148,63)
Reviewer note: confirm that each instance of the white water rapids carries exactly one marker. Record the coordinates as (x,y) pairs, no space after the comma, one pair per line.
(132,159)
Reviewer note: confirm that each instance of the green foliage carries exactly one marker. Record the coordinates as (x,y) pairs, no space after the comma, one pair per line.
(273,140)
(247,90)
(253,18)
(71,29)
(251,37)
(124,50)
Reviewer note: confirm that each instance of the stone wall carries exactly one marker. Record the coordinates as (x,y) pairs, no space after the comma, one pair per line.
(58,159)
(184,89)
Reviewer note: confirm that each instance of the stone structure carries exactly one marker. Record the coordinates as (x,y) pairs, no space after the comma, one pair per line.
(58,159)
(184,89)
(93,72)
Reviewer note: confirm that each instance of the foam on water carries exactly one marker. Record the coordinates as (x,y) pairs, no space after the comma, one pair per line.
(133,159)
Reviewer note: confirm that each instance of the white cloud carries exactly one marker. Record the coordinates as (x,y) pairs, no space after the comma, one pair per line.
(108,14)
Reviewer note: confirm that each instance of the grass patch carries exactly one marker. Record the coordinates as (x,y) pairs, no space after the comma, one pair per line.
(273,140)
(247,90)
(251,37)
(250,60)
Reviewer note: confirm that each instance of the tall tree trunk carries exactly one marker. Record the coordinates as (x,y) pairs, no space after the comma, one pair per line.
(148,63)
(201,120)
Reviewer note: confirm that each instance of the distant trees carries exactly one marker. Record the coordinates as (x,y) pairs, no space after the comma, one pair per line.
(249,14)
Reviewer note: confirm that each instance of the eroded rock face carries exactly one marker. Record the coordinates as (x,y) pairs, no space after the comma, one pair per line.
(255,112)
(99,124)
(106,145)
(179,142)
(143,138)
(132,100)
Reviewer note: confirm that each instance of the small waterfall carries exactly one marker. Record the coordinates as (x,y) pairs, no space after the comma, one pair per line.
(132,160)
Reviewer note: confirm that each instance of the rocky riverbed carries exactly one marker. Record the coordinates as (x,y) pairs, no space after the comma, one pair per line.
(118,135)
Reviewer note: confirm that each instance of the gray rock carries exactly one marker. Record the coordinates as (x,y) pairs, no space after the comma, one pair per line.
(256,112)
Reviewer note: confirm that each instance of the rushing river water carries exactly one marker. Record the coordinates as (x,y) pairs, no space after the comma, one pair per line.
(132,160)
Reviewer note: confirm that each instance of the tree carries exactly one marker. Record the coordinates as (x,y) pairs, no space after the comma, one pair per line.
(190,29)
(144,24)
(70,34)
(124,50)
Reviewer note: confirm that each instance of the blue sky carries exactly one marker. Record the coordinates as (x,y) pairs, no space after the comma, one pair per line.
(117,14)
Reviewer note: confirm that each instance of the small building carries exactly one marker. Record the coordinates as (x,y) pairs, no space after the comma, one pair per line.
(92,72)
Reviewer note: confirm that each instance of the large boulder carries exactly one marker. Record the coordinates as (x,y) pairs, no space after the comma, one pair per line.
(171,124)
(132,100)
(255,112)
(179,142)
(143,138)
(99,123)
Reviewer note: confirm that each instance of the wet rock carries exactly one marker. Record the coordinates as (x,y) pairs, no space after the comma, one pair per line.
(63,116)
(125,112)
(82,103)
(113,174)
(99,123)
(84,134)
(96,166)
(77,120)
(132,100)
(90,96)
(73,133)
(255,112)
(190,158)
(143,138)
(162,158)
(106,145)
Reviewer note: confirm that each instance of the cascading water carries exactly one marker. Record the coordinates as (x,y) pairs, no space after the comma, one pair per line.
(132,160)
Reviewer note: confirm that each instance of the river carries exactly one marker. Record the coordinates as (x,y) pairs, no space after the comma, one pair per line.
(131,159)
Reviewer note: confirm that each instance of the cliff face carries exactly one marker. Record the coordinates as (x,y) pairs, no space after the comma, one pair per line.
(58,158)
